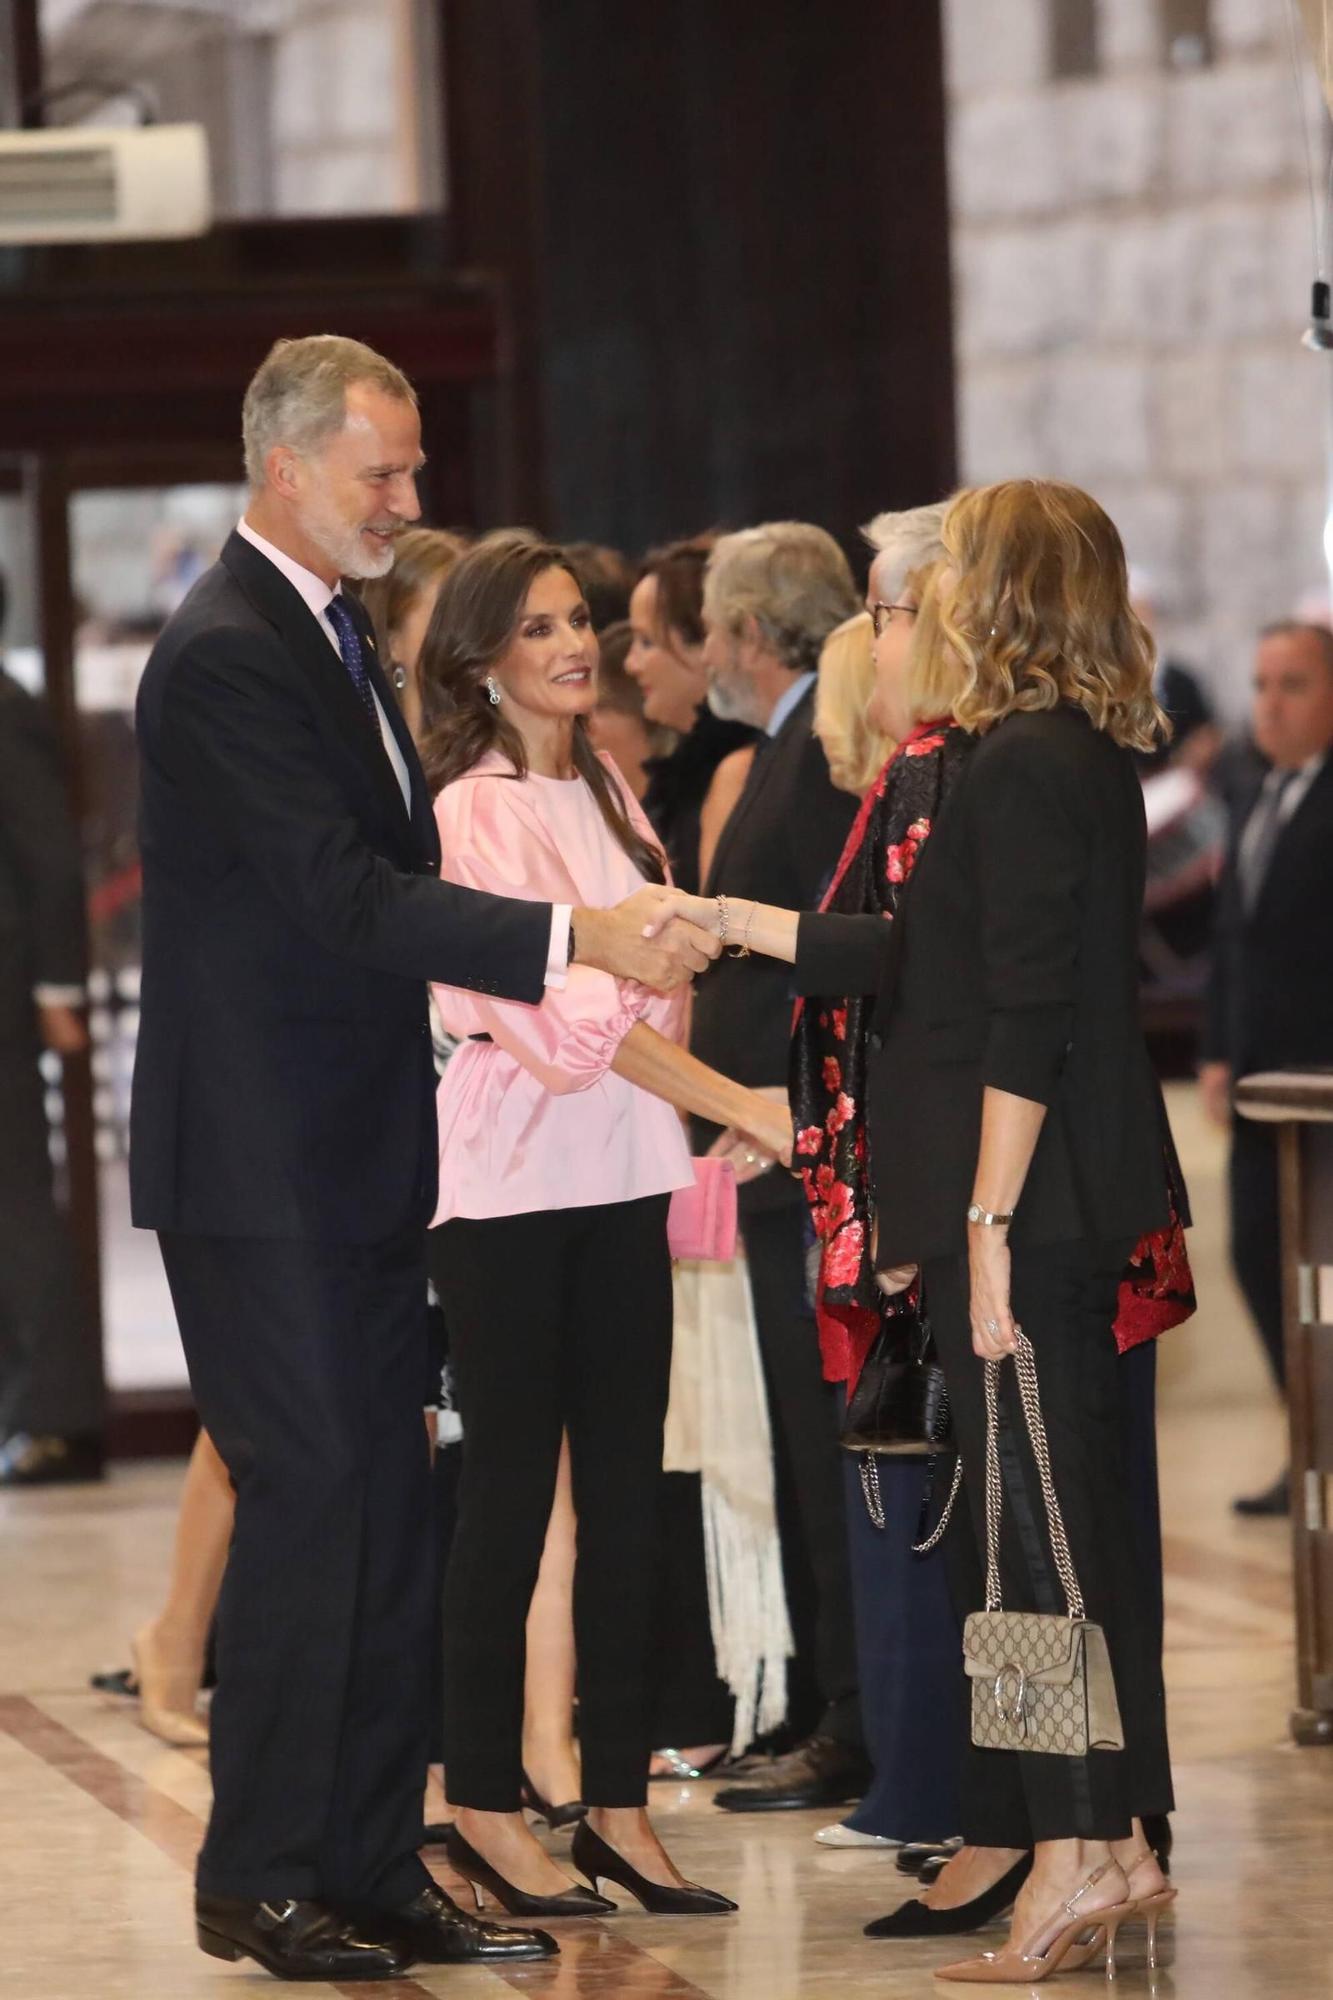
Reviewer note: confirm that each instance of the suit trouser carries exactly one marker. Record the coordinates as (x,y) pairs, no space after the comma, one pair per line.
(1256,1235)
(803,1412)
(558,1320)
(307,1362)
(50,1365)
(1064,1296)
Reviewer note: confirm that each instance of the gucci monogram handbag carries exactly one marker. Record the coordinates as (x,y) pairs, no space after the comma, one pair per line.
(1039,1682)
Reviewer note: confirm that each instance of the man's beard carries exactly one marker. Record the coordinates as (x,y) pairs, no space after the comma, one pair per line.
(733,700)
(342,543)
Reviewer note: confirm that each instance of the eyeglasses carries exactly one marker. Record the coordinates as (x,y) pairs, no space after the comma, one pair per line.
(882,615)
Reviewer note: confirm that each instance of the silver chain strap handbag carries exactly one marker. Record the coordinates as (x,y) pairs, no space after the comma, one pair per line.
(1040,1682)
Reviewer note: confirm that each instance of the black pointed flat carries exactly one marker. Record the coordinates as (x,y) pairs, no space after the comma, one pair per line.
(600,1863)
(576,1901)
(915,1919)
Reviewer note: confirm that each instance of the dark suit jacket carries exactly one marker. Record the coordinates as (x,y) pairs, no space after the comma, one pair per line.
(43,934)
(292,915)
(1270,1001)
(1013,962)
(780,846)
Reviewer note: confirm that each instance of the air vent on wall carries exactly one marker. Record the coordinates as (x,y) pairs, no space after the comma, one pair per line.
(71,186)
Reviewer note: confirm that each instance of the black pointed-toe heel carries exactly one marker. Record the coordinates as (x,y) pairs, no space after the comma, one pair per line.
(915,1919)
(556,1817)
(600,1863)
(576,1901)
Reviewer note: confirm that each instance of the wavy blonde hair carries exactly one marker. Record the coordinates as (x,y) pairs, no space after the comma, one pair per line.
(855,749)
(1040,612)
(934,671)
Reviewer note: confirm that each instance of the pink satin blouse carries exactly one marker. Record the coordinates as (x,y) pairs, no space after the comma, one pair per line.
(534,1118)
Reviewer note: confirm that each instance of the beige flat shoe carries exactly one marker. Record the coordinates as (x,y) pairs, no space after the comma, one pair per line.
(182,1729)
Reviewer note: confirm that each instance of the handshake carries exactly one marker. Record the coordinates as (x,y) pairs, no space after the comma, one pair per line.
(652,937)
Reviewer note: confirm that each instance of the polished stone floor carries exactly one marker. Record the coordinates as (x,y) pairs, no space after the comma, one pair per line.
(99,1822)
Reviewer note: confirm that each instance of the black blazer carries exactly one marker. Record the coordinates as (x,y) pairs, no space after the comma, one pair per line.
(780,845)
(292,915)
(43,932)
(1013,962)
(1270,1000)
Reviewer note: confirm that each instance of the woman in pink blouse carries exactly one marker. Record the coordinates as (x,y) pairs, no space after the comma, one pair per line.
(560,1147)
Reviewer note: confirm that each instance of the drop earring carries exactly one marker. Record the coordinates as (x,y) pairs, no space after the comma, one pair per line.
(492,691)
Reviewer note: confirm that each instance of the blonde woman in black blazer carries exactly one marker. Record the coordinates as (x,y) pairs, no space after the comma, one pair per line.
(1009,1078)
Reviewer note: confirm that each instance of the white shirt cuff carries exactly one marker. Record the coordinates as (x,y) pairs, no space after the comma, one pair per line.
(557,961)
(59,996)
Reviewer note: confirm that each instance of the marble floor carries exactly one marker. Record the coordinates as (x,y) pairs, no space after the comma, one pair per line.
(99,1822)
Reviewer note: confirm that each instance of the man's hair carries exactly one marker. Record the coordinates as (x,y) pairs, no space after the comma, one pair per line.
(298,394)
(1301,628)
(791,578)
(908,541)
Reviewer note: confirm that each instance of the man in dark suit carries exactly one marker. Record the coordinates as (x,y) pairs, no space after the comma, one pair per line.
(1271,996)
(50,1366)
(771,596)
(284,1149)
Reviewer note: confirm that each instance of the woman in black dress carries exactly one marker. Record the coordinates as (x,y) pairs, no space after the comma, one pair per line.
(1020,1151)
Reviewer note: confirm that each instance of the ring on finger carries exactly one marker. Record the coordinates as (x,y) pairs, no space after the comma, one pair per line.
(992,1326)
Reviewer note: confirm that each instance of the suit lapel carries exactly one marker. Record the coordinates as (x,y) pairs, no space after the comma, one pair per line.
(767,760)
(272,595)
(1318,800)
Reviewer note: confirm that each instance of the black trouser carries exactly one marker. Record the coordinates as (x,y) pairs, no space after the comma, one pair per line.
(1256,1235)
(690,1705)
(50,1364)
(1064,1296)
(559,1320)
(307,1362)
(803,1413)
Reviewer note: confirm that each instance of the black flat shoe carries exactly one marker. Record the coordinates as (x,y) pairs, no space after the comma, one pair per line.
(434,1930)
(295,1940)
(913,1855)
(916,1919)
(600,1863)
(556,1817)
(575,1902)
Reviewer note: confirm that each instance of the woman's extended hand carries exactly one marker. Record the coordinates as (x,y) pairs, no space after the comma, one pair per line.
(765,1138)
(700,911)
(988,1267)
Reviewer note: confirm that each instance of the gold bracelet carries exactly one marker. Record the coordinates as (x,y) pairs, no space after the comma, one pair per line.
(742,950)
(723,920)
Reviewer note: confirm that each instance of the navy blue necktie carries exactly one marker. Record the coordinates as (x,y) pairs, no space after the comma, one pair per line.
(349,645)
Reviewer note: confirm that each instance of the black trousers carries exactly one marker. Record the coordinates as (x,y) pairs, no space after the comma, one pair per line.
(690,1705)
(1064,1296)
(307,1362)
(50,1364)
(1256,1237)
(559,1320)
(803,1412)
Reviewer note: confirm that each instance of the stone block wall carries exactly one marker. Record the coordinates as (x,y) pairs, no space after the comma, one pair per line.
(1133,256)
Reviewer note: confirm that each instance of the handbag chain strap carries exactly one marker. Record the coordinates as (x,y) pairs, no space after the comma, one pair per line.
(936,1535)
(1026,1363)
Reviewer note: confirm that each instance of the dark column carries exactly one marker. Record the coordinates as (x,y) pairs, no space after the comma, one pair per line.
(723,232)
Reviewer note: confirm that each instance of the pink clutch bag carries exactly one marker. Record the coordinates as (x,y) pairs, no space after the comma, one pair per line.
(701,1221)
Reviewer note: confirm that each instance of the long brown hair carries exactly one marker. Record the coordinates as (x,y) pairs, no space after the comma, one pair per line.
(421,556)
(1041,612)
(476,614)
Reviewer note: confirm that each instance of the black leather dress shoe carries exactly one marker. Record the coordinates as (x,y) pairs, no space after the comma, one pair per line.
(295,1940)
(433,1929)
(818,1772)
(29,1460)
(1271,1504)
